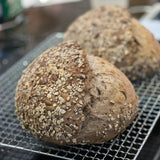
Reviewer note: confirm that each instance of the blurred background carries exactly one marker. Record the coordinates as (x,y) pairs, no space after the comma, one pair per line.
(25,23)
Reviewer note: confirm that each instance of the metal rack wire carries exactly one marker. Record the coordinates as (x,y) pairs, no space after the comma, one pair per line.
(125,146)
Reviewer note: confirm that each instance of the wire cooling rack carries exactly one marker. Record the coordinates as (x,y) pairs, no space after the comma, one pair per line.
(126,146)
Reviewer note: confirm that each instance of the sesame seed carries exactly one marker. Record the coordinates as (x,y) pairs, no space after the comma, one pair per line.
(62,111)
(68,104)
(69,87)
(59,134)
(110,126)
(58,122)
(54,104)
(79,89)
(116,125)
(54,121)
(63,79)
(61,100)
(48,95)
(111,101)
(49,113)
(74,140)
(80,101)
(27,107)
(112,119)
(64,90)
(68,98)
(59,85)
(57,129)
(56,93)
(69,135)
(23,126)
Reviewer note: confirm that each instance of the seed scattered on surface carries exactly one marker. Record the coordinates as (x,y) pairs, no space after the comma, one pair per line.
(74,140)
(80,101)
(79,89)
(27,107)
(110,126)
(112,119)
(62,111)
(60,121)
(69,135)
(54,104)
(68,98)
(69,87)
(56,93)
(49,113)
(116,125)
(48,95)
(111,101)
(68,104)
(64,90)
(61,100)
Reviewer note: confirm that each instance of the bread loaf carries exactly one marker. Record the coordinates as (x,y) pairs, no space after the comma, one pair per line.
(67,97)
(112,33)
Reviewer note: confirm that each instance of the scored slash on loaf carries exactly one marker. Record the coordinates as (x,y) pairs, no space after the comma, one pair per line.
(68,97)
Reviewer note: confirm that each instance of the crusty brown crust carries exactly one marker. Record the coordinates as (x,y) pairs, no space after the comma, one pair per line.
(112,33)
(113,103)
(66,97)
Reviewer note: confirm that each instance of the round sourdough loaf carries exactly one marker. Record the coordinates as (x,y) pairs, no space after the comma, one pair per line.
(112,33)
(67,97)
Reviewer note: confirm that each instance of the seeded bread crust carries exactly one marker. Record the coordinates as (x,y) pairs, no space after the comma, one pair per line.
(66,97)
(112,33)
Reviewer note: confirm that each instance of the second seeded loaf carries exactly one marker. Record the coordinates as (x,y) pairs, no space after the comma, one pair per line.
(112,33)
